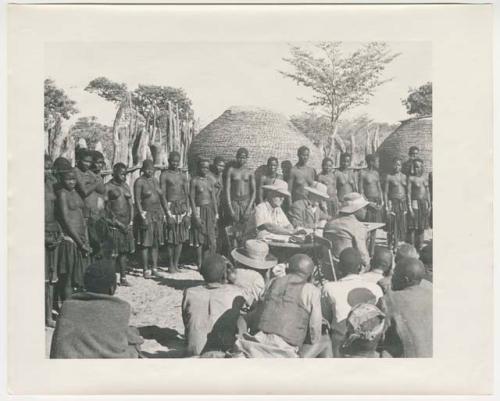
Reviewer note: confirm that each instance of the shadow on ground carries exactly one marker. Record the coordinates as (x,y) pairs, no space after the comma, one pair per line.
(178,284)
(166,337)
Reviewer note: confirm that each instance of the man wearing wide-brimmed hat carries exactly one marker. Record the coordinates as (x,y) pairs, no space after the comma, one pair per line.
(253,263)
(309,213)
(347,231)
(268,216)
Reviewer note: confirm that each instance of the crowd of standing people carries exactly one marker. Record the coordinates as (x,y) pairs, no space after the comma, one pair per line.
(350,298)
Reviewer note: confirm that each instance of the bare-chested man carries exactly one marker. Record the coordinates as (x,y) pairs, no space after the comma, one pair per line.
(395,204)
(419,203)
(175,188)
(204,206)
(216,175)
(151,207)
(268,178)
(346,178)
(240,192)
(91,188)
(369,186)
(301,175)
(327,177)
(120,215)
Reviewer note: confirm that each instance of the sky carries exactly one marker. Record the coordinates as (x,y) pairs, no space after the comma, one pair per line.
(217,76)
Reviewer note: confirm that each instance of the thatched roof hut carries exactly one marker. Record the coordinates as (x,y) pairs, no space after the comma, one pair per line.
(263,132)
(411,132)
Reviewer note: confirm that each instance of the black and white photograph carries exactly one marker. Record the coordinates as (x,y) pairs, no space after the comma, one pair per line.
(238,200)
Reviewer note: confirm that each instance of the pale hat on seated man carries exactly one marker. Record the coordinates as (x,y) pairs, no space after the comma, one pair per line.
(253,264)
(352,202)
(279,186)
(255,254)
(318,189)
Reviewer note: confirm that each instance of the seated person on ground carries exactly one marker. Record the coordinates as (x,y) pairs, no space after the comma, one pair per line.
(365,329)
(380,268)
(210,311)
(310,212)
(95,323)
(252,270)
(405,250)
(347,231)
(342,295)
(268,216)
(408,308)
(426,258)
(288,322)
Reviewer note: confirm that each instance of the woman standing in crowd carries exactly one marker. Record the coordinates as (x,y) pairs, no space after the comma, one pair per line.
(418,204)
(75,248)
(150,216)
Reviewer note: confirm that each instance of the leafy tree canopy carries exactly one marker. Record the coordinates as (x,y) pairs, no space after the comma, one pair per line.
(93,132)
(57,102)
(112,91)
(419,101)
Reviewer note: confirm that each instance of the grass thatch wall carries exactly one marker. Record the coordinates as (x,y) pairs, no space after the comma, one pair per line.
(412,132)
(263,132)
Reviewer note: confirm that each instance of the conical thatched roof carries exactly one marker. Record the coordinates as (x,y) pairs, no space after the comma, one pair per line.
(412,132)
(263,132)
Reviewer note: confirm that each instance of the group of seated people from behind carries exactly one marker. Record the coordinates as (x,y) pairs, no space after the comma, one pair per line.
(255,308)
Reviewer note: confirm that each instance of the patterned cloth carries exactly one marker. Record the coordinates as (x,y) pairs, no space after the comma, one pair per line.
(420,219)
(149,233)
(123,242)
(396,219)
(204,233)
(178,223)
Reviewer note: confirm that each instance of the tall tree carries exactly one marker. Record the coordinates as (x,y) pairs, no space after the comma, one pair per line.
(57,107)
(419,101)
(338,82)
(112,91)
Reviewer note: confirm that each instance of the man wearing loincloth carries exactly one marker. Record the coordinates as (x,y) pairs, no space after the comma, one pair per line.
(174,187)
(301,175)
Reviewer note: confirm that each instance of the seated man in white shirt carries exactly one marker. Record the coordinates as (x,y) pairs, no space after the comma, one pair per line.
(343,295)
(268,217)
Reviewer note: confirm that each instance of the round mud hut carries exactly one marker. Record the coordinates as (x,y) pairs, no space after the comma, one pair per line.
(411,132)
(263,132)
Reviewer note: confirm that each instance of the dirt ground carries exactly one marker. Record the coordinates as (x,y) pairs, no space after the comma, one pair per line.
(156,310)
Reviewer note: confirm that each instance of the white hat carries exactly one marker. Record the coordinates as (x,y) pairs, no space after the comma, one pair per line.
(255,254)
(279,186)
(352,202)
(318,189)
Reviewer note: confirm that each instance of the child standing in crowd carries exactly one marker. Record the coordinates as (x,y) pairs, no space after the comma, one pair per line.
(75,248)
(120,212)
(270,176)
(346,179)
(174,187)
(418,204)
(204,207)
(327,177)
(394,194)
(150,215)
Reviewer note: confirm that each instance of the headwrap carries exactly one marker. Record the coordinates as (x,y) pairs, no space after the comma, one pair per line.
(365,322)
